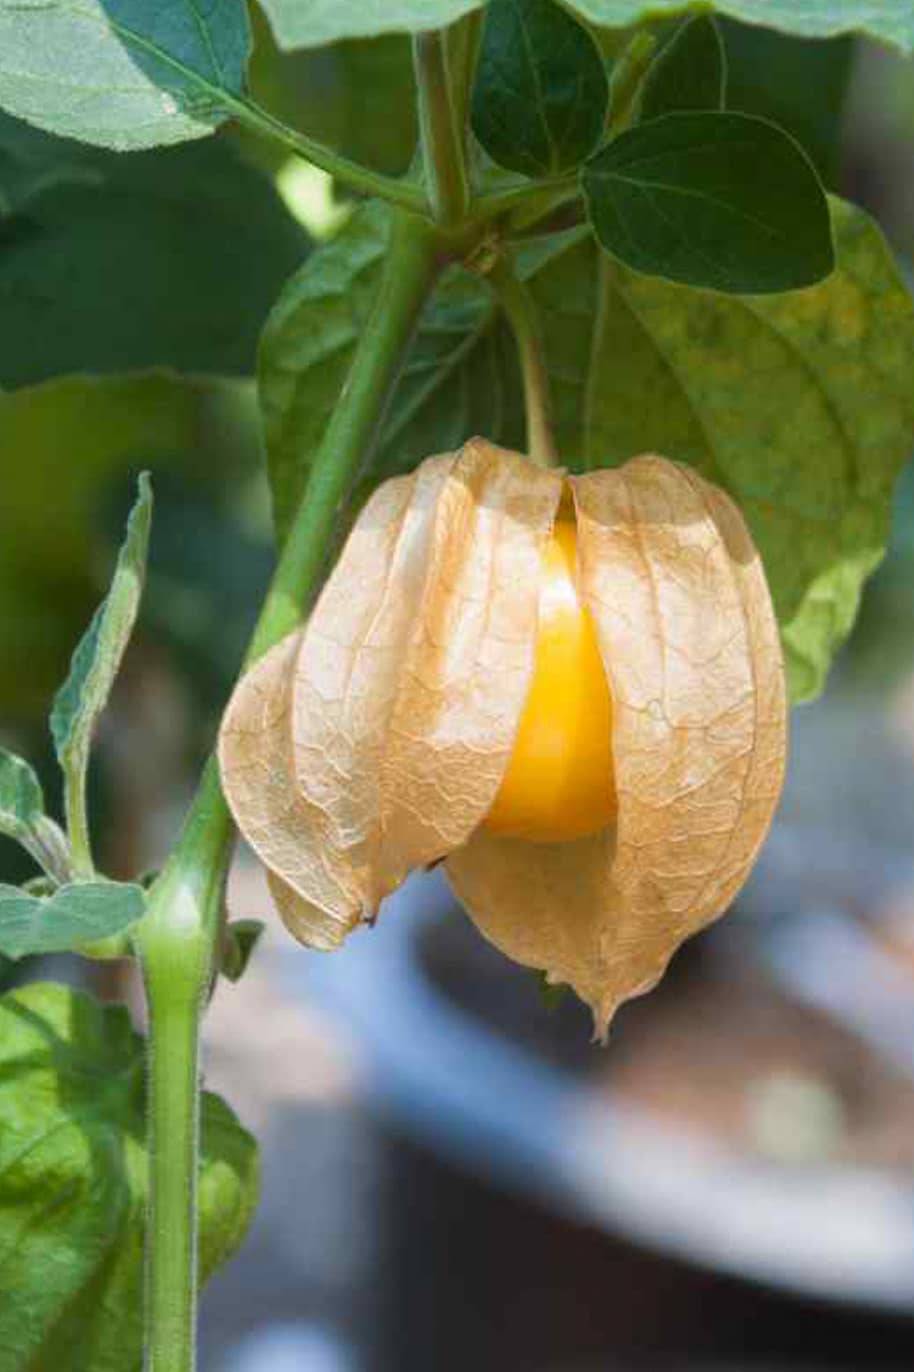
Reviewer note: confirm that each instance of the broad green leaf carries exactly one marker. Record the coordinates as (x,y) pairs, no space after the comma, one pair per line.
(800,405)
(461,376)
(720,200)
(892,21)
(116,263)
(73,1183)
(97,658)
(310,23)
(73,915)
(540,95)
(122,73)
(689,73)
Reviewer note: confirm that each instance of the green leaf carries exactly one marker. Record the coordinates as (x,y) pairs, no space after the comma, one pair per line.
(77,914)
(73,1183)
(241,938)
(97,658)
(122,73)
(689,73)
(719,200)
(111,263)
(310,23)
(461,376)
(22,816)
(891,21)
(21,798)
(800,405)
(540,95)
(797,84)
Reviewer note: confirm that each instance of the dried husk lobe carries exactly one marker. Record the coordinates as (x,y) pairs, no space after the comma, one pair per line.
(375,740)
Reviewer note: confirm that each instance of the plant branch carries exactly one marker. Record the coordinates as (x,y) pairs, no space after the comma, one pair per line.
(414,257)
(352,174)
(462,48)
(535,198)
(443,139)
(77,816)
(178,940)
(517,303)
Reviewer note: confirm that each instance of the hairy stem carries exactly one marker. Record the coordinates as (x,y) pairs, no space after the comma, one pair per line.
(518,305)
(77,815)
(179,938)
(177,942)
(443,138)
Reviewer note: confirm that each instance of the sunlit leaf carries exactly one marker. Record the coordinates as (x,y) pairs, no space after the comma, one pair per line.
(309,23)
(73,915)
(97,658)
(122,73)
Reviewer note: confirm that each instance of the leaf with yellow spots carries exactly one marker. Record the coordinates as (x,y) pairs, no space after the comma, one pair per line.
(799,405)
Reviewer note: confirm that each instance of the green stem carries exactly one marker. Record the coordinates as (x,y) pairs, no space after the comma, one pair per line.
(74,801)
(179,938)
(462,46)
(171,1279)
(352,174)
(518,305)
(534,197)
(442,137)
(413,260)
(177,942)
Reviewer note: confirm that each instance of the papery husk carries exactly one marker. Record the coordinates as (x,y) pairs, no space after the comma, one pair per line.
(376,740)
(255,757)
(691,649)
